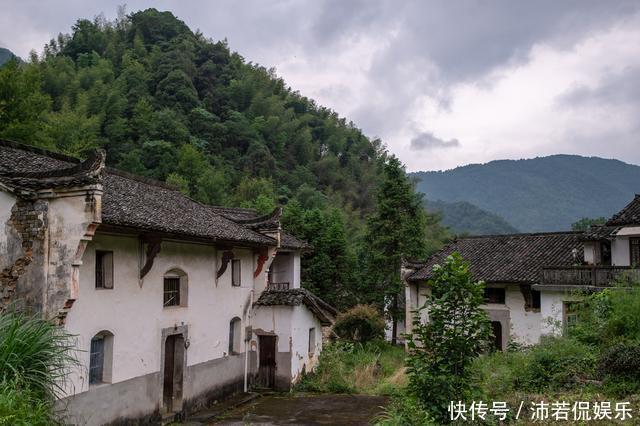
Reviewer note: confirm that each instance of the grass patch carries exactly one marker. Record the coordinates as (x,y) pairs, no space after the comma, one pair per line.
(374,368)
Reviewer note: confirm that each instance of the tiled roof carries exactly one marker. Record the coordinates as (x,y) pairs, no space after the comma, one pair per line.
(287,241)
(602,232)
(296,297)
(516,258)
(629,215)
(127,201)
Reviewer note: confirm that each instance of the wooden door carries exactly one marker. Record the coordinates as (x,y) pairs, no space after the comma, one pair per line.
(173,373)
(267,366)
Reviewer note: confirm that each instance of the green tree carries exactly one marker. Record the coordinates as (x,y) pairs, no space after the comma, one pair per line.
(442,349)
(395,230)
(585,223)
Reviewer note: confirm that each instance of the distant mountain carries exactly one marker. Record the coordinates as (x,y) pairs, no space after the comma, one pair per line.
(6,55)
(539,194)
(463,217)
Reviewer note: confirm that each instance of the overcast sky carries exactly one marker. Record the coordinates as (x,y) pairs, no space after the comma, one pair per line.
(442,83)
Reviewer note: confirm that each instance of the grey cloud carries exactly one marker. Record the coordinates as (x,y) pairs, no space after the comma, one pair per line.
(613,89)
(428,141)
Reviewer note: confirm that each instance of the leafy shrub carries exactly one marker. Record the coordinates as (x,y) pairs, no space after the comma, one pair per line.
(555,363)
(362,323)
(443,349)
(622,360)
(34,352)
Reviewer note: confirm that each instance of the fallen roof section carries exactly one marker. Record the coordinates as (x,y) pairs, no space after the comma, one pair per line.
(297,297)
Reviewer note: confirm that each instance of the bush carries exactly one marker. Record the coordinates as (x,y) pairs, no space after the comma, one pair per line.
(443,349)
(555,363)
(345,367)
(621,361)
(403,410)
(36,353)
(20,407)
(362,323)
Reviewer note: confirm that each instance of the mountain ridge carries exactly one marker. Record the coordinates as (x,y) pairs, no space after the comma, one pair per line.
(539,194)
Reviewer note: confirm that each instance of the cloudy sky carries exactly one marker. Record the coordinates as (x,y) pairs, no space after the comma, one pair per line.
(442,83)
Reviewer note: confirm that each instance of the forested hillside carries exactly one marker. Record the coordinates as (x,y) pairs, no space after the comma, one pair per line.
(5,55)
(540,194)
(172,105)
(462,217)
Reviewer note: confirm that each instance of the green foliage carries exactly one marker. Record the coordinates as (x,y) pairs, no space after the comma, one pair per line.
(405,409)
(585,223)
(372,368)
(442,349)
(171,105)
(622,360)
(20,407)
(34,352)
(361,323)
(539,194)
(395,230)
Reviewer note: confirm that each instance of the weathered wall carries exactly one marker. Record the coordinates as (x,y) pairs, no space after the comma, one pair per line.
(301,359)
(23,249)
(552,310)
(590,252)
(135,314)
(620,255)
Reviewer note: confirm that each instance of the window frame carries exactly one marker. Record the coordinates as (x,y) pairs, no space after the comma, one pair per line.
(182,288)
(235,336)
(236,268)
(173,283)
(103,274)
(100,359)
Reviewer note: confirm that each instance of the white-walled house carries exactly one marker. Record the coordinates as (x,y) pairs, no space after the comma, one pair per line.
(174,304)
(533,281)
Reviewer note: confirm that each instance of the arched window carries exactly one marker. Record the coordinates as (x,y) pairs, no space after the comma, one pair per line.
(234,336)
(101,358)
(175,288)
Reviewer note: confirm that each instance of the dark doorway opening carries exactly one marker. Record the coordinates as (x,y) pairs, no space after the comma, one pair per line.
(267,366)
(173,373)
(496,326)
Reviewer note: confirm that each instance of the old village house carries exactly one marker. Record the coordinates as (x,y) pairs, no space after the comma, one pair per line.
(174,303)
(534,281)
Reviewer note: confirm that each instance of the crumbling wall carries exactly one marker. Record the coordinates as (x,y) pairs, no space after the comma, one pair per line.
(23,252)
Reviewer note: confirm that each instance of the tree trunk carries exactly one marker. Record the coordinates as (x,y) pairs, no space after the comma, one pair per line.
(394,320)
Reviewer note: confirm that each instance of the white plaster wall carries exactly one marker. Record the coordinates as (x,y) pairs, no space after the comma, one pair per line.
(525,326)
(551,303)
(282,270)
(590,252)
(135,315)
(7,202)
(620,255)
(301,359)
(274,320)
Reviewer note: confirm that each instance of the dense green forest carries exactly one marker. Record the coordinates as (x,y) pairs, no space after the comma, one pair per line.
(172,105)
(540,194)
(462,217)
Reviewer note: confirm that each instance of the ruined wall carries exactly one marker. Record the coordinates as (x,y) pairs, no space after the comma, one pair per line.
(22,252)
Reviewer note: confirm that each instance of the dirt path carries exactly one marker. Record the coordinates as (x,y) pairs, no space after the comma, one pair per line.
(307,409)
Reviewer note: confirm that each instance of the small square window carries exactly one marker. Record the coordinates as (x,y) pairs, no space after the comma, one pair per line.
(235,273)
(171,291)
(104,269)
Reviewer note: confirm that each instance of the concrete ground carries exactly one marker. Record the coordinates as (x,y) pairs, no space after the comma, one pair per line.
(306,409)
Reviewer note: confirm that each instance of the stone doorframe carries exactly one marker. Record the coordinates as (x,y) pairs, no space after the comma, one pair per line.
(503,317)
(166,332)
